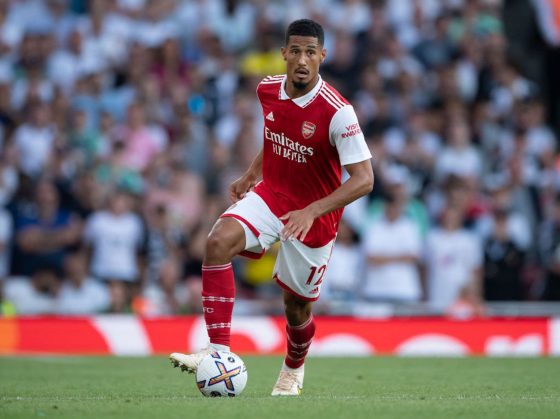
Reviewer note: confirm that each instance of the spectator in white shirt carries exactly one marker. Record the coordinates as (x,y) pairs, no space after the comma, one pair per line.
(459,157)
(353,17)
(234,23)
(80,293)
(34,140)
(35,295)
(115,237)
(453,257)
(392,244)
(64,65)
(344,270)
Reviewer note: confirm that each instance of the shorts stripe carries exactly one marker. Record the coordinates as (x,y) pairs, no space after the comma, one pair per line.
(244,221)
(291,291)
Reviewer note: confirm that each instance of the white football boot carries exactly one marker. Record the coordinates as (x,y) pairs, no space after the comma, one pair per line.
(189,362)
(289,383)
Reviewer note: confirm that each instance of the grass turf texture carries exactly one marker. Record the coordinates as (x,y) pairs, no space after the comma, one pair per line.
(94,387)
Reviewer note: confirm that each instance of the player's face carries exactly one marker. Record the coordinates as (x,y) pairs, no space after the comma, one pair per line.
(303,56)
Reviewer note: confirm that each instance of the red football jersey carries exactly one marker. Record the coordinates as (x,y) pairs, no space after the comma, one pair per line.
(306,142)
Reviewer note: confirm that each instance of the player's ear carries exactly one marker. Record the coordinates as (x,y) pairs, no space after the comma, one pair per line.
(323,54)
(283,51)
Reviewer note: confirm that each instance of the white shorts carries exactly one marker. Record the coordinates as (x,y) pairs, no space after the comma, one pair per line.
(299,269)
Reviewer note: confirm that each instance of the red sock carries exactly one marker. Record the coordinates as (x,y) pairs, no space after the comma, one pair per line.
(299,341)
(218,295)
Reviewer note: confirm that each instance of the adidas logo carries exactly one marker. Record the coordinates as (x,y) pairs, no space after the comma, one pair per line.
(314,290)
(270,116)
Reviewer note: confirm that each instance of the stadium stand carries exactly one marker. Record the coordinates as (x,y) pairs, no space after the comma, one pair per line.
(122,123)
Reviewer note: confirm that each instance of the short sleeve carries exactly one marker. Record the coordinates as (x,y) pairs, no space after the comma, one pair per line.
(346,135)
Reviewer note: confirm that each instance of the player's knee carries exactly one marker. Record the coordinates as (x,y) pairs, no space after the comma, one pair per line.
(216,246)
(223,244)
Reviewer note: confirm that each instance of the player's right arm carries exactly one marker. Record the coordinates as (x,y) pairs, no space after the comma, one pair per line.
(239,188)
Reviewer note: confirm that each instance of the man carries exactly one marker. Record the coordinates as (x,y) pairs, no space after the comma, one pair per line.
(453,258)
(392,245)
(310,133)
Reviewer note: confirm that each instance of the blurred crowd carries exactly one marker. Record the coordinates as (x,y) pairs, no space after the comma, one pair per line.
(123,122)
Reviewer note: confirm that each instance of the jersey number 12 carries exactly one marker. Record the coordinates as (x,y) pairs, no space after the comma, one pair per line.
(319,271)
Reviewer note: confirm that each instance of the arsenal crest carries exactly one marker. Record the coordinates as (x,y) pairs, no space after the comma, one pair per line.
(307,129)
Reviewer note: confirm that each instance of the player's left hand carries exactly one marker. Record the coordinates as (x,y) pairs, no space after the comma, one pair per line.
(298,225)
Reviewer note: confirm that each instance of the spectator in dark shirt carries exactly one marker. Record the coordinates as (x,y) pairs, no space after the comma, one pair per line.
(503,262)
(43,231)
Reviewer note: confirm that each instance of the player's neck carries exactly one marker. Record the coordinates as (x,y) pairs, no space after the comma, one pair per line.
(294,93)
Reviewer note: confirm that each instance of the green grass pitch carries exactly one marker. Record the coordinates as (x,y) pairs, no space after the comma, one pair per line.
(376,387)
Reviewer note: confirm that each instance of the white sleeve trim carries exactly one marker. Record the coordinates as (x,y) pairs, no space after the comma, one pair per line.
(346,135)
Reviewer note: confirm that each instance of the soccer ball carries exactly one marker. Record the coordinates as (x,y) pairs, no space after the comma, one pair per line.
(221,373)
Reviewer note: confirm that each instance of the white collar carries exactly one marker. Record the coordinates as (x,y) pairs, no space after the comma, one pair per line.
(304,100)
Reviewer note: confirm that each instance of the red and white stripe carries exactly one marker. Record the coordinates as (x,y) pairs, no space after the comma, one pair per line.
(303,325)
(218,326)
(272,79)
(299,355)
(331,97)
(300,345)
(128,335)
(216,267)
(315,95)
(124,335)
(218,299)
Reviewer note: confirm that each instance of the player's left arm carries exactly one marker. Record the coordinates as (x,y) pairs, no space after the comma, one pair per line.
(347,137)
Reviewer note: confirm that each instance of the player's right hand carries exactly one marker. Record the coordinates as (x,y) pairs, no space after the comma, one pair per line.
(239,188)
